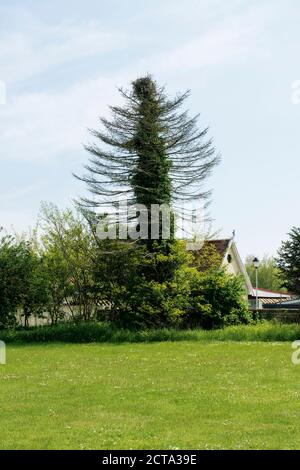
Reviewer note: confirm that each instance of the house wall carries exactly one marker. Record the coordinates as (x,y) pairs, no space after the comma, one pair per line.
(236,267)
(233,267)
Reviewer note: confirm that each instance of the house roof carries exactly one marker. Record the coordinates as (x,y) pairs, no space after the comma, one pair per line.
(271,300)
(220,245)
(269,294)
(289,304)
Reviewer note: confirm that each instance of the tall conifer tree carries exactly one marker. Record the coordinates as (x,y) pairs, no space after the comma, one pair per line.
(152,152)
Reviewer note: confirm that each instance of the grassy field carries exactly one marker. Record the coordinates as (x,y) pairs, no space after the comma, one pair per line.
(201,395)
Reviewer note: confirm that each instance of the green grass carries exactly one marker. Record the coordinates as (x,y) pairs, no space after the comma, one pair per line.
(103,333)
(186,395)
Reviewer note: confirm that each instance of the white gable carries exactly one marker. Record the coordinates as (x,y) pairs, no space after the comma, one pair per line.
(235,265)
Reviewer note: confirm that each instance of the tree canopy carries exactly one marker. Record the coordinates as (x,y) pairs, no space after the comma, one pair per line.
(149,152)
(269,275)
(288,261)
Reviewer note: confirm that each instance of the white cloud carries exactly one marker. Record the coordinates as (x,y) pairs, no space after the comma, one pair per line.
(213,48)
(41,126)
(30,51)
(17,193)
(229,41)
(37,126)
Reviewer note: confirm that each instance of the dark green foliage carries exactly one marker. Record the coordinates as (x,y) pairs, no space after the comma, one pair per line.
(288,261)
(217,299)
(150,177)
(151,153)
(136,289)
(145,292)
(11,277)
(35,287)
(210,298)
(23,285)
(107,333)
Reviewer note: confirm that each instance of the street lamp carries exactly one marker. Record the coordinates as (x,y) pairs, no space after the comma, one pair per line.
(256,265)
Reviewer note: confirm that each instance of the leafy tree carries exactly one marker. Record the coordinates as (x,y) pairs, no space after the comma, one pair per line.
(68,250)
(199,293)
(10,281)
(268,275)
(22,281)
(151,152)
(288,261)
(140,299)
(58,282)
(35,287)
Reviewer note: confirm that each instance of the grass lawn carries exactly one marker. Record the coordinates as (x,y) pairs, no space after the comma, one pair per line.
(186,395)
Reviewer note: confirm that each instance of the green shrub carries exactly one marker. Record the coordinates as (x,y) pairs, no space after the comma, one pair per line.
(152,290)
(164,290)
(106,333)
(217,299)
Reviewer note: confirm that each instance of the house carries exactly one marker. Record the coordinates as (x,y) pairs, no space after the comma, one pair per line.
(292,304)
(268,298)
(231,259)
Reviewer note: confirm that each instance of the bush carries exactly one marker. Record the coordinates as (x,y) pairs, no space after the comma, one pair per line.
(183,296)
(106,333)
(217,299)
(152,289)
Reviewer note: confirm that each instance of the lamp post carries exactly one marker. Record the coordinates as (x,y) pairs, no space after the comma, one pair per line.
(256,265)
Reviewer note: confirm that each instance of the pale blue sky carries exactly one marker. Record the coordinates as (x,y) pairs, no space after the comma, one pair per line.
(62,61)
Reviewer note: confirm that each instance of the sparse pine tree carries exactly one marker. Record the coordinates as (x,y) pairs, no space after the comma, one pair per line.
(151,152)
